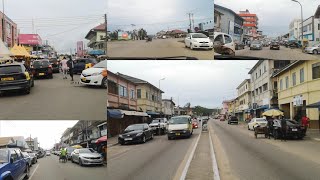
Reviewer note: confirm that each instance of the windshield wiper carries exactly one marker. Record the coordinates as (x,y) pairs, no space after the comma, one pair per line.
(153,58)
(226,57)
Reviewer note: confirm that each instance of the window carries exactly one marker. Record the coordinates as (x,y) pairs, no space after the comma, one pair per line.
(132,94)
(301,75)
(246,86)
(112,87)
(147,95)
(287,82)
(256,75)
(257,91)
(152,98)
(316,71)
(227,39)
(244,101)
(265,68)
(260,73)
(252,93)
(138,93)
(281,84)
(14,155)
(293,79)
(123,91)
(265,87)
(260,88)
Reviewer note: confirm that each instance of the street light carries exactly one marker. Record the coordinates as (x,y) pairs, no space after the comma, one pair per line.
(160,102)
(301,22)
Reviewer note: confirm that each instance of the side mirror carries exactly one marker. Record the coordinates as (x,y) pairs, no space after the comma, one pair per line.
(11,160)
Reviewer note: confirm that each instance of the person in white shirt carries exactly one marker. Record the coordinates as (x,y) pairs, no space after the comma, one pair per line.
(64,67)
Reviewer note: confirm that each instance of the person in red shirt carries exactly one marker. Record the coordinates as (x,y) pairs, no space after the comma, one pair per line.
(305,122)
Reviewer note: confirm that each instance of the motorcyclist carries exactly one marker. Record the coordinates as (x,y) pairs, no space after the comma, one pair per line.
(63,153)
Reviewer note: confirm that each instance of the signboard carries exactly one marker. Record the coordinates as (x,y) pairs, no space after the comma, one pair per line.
(123,36)
(80,48)
(298,100)
(30,39)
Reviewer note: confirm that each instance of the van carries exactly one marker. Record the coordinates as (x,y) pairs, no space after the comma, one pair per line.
(179,126)
(224,40)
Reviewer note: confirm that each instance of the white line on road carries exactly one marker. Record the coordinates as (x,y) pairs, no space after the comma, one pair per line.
(185,170)
(216,174)
(34,172)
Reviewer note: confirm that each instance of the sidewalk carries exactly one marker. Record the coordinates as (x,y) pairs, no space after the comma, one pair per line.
(314,134)
(112,141)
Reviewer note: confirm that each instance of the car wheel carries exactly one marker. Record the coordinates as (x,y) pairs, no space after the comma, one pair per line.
(315,51)
(151,136)
(143,140)
(80,162)
(104,82)
(169,138)
(72,160)
(248,128)
(27,90)
(276,135)
(210,49)
(27,171)
(121,142)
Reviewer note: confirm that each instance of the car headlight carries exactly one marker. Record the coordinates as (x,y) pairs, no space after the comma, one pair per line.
(95,74)
(139,134)
(120,135)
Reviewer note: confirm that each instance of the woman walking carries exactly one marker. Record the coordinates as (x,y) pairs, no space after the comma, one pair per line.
(64,67)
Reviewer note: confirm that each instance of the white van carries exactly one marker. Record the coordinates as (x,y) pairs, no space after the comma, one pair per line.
(224,39)
(179,126)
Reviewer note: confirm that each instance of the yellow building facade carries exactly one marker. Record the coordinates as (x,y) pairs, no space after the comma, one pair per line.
(149,98)
(299,86)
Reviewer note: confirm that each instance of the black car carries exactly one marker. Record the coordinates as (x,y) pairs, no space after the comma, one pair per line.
(294,129)
(233,120)
(82,64)
(15,77)
(55,65)
(136,133)
(42,68)
(274,45)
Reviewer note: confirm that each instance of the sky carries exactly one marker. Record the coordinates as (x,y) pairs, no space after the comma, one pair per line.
(48,132)
(157,15)
(274,15)
(204,83)
(61,22)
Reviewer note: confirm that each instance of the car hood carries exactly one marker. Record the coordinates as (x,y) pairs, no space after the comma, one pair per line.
(90,155)
(177,126)
(202,39)
(92,70)
(132,132)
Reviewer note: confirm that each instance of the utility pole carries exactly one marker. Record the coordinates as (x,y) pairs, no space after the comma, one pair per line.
(32,26)
(106,30)
(192,21)
(3,23)
(189,20)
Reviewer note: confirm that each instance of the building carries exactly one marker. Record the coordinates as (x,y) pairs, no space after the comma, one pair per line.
(229,22)
(217,20)
(311,30)
(244,100)
(32,143)
(299,86)
(250,25)
(178,111)
(294,30)
(168,107)
(225,107)
(96,37)
(263,85)
(149,96)
(32,43)
(9,34)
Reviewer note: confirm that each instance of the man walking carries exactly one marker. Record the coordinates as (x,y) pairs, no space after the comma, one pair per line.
(283,129)
(71,66)
(64,67)
(305,122)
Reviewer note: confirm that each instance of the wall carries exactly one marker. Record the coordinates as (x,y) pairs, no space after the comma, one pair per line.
(147,104)
(11,35)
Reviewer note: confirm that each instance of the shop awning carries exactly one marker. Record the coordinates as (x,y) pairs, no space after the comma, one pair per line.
(96,52)
(314,105)
(263,107)
(152,113)
(114,113)
(134,113)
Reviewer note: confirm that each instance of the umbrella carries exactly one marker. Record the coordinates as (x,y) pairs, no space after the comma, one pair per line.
(102,139)
(77,146)
(273,112)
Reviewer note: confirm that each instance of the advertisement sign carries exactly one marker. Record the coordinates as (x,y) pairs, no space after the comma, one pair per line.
(123,36)
(297,100)
(80,52)
(29,39)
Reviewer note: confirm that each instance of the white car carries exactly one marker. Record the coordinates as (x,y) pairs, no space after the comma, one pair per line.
(198,41)
(96,75)
(225,40)
(255,122)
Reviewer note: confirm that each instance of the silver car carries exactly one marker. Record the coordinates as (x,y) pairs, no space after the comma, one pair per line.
(86,156)
(315,49)
(256,45)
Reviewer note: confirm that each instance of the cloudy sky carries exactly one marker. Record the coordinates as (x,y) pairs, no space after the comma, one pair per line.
(48,132)
(61,22)
(274,15)
(156,15)
(205,83)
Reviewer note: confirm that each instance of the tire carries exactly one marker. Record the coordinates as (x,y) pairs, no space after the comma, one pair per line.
(276,135)
(143,140)
(27,90)
(248,128)
(80,162)
(169,138)
(104,82)
(315,51)
(151,136)
(27,172)
(210,49)
(121,142)
(72,160)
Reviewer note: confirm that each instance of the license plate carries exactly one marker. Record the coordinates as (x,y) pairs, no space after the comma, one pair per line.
(41,74)
(128,139)
(177,134)
(7,79)
(294,130)
(83,79)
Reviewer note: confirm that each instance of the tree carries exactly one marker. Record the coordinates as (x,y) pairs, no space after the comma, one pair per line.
(202,111)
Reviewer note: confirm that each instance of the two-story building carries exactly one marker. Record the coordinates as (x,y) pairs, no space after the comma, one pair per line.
(311,30)
(244,100)
(96,37)
(8,31)
(263,85)
(168,107)
(32,143)
(298,87)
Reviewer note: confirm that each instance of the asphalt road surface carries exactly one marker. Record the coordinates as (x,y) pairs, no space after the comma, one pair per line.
(241,156)
(282,54)
(55,99)
(156,48)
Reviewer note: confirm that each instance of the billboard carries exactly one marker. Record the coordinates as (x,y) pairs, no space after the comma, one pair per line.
(80,52)
(123,36)
(30,39)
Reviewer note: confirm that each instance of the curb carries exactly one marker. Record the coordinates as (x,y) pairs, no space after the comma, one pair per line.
(110,145)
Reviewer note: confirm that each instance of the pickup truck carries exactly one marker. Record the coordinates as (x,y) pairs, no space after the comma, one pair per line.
(13,165)
(159,123)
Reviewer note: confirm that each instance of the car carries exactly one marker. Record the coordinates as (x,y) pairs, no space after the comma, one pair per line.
(55,65)
(233,120)
(294,129)
(195,124)
(256,122)
(84,156)
(48,153)
(274,45)
(15,76)
(180,126)
(136,133)
(198,41)
(256,45)
(96,75)
(315,49)
(13,165)
(223,43)
(159,123)
(82,64)
(34,157)
(222,118)
(27,158)
(42,68)
(69,151)
(239,45)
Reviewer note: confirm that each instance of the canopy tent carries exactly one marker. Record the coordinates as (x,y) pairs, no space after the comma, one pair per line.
(272,112)
(16,51)
(77,146)
(24,51)
(315,105)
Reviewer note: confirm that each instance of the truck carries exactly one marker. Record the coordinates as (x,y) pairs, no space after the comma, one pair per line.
(159,125)
(13,165)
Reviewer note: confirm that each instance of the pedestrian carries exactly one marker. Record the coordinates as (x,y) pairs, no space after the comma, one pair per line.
(283,129)
(64,67)
(305,122)
(70,66)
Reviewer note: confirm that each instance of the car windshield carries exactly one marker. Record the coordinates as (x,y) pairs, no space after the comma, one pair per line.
(84,151)
(179,120)
(134,127)
(10,69)
(3,156)
(102,64)
(200,35)
(41,63)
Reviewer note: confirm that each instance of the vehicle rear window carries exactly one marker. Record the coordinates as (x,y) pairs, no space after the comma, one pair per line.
(41,63)
(199,36)
(10,69)
(53,60)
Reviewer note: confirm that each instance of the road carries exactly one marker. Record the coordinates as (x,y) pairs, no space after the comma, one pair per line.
(52,99)
(282,54)
(241,156)
(156,48)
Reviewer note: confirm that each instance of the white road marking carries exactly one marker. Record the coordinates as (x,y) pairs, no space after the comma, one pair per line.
(216,174)
(185,170)
(34,171)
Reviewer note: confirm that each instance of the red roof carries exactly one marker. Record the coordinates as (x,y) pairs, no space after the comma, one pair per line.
(244,15)
(177,31)
(101,27)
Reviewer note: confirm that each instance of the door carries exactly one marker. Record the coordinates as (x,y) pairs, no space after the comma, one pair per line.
(147,131)
(188,40)
(76,155)
(229,42)
(14,166)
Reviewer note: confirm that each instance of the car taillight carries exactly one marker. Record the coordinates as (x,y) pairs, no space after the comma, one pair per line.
(50,66)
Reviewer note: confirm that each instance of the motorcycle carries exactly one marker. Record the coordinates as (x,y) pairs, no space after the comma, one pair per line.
(149,39)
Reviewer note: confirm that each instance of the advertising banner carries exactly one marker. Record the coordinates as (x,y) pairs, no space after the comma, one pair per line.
(30,39)
(123,36)
(80,52)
